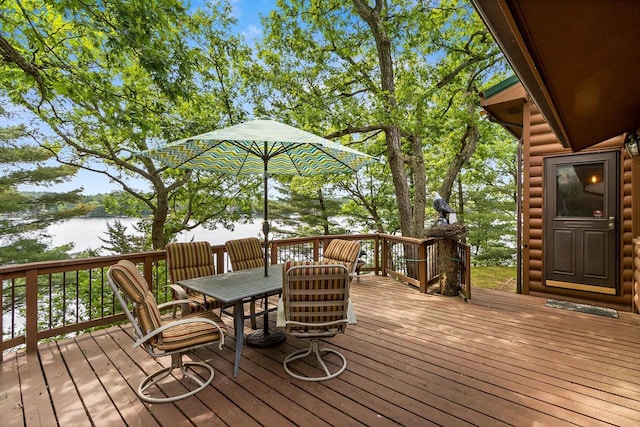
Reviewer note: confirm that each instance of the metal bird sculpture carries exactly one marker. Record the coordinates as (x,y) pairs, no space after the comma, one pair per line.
(443,208)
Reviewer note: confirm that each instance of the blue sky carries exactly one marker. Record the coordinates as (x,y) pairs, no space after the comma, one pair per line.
(248,14)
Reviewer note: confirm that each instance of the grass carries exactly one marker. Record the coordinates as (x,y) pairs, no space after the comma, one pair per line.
(500,278)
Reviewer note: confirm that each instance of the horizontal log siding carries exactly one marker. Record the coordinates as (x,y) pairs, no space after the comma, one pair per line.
(636,276)
(540,142)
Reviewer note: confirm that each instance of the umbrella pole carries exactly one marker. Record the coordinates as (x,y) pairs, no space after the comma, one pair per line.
(265,223)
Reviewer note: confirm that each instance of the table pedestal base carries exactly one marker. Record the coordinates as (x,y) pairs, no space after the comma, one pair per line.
(259,339)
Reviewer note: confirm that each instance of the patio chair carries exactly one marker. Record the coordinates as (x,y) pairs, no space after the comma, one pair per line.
(164,338)
(340,251)
(187,261)
(243,254)
(315,304)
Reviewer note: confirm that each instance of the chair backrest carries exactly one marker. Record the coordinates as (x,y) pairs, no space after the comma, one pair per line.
(124,277)
(189,260)
(315,297)
(245,253)
(340,251)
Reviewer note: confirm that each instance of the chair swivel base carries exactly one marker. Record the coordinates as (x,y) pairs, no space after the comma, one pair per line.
(315,349)
(157,376)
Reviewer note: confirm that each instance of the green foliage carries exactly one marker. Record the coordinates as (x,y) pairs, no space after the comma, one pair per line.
(25,216)
(490,202)
(120,241)
(309,209)
(323,67)
(108,80)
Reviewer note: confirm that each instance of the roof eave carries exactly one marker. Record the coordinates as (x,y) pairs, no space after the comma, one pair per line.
(500,23)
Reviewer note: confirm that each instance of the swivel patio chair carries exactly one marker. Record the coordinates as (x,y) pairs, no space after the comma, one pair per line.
(315,304)
(188,261)
(244,254)
(164,338)
(340,251)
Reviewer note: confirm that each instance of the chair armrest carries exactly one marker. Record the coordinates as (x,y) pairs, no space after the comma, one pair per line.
(281,320)
(163,328)
(182,295)
(178,301)
(179,290)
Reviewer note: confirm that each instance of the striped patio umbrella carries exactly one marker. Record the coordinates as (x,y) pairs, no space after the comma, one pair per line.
(264,147)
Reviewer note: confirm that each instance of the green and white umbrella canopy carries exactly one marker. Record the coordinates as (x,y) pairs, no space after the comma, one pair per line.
(257,146)
(264,147)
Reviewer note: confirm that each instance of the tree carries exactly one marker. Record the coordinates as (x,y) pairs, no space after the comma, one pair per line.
(25,216)
(108,80)
(398,78)
(309,208)
(120,241)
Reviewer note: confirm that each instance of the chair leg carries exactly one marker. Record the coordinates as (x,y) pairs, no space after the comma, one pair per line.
(314,348)
(176,363)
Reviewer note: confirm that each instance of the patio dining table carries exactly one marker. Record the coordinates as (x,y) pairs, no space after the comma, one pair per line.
(232,289)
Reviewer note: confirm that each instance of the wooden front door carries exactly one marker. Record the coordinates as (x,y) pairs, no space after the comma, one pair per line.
(581,222)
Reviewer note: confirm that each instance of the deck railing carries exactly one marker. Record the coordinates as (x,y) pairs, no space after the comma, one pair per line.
(44,300)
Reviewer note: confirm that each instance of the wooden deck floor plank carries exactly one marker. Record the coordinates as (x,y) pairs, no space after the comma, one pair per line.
(343,400)
(11,406)
(390,406)
(450,381)
(65,398)
(509,382)
(280,381)
(503,346)
(35,396)
(413,359)
(465,348)
(601,344)
(474,335)
(546,379)
(429,392)
(126,378)
(474,318)
(285,397)
(553,351)
(244,394)
(167,413)
(399,393)
(77,357)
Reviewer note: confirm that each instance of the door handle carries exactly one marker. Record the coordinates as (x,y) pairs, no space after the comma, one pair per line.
(612,223)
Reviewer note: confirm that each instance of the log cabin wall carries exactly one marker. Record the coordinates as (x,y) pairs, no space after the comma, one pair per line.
(540,142)
(635,302)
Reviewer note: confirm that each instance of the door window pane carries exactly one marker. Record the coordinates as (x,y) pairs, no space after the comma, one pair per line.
(580,190)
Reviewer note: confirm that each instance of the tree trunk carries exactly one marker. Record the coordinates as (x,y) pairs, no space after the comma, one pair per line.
(448,267)
(449,264)
(468,145)
(160,214)
(371,15)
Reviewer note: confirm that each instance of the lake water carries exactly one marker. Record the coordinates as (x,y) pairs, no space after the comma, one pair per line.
(85,233)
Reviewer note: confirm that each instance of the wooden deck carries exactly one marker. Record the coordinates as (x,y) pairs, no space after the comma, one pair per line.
(414,359)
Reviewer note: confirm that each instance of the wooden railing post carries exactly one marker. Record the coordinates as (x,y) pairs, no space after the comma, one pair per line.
(422,267)
(147,270)
(1,316)
(31,325)
(383,263)
(467,270)
(376,254)
(218,260)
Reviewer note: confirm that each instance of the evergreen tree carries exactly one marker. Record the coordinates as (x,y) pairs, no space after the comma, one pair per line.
(25,216)
(120,241)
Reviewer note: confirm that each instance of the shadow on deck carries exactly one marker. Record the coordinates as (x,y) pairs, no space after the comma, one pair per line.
(413,359)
